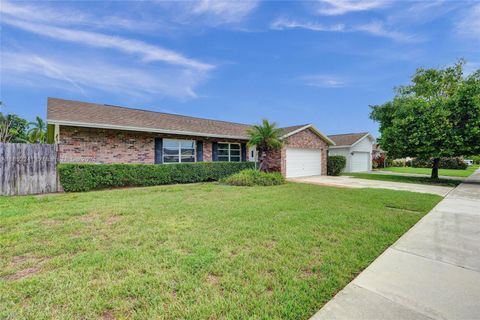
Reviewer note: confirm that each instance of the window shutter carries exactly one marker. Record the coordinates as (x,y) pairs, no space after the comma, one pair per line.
(244,152)
(158,150)
(214,151)
(199,151)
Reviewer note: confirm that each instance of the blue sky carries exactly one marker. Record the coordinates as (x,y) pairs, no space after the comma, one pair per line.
(322,62)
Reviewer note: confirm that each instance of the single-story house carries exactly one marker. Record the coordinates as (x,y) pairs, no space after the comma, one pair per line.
(100,133)
(356,148)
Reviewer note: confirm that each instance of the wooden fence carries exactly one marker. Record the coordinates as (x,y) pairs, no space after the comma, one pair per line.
(28,168)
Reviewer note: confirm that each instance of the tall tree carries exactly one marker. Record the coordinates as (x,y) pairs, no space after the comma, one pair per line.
(267,138)
(437,115)
(38,131)
(13,128)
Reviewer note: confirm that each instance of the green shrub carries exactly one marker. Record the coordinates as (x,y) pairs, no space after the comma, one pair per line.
(251,177)
(335,165)
(85,177)
(398,163)
(445,163)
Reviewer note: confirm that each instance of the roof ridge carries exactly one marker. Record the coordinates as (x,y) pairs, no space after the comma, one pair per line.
(345,134)
(144,110)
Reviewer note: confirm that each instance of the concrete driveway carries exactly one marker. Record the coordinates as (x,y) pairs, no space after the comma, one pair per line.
(350,182)
(431,272)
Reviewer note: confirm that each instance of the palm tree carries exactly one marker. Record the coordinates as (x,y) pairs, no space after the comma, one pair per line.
(267,138)
(38,132)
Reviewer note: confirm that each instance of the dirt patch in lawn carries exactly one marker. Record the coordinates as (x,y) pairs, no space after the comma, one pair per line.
(22,273)
(18,262)
(213,279)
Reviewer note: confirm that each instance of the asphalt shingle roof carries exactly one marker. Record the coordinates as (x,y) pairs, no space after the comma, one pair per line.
(77,113)
(347,139)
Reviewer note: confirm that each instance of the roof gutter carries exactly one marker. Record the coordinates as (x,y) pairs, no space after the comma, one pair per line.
(141,129)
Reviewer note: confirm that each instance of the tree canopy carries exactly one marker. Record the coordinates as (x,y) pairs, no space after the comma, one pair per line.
(15,129)
(437,115)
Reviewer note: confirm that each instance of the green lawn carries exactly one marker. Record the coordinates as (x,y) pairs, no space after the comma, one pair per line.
(441,172)
(407,179)
(193,251)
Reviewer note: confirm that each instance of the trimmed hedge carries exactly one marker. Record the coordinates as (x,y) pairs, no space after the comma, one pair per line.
(85,177)
(251,177)
(445,163)
(335,165)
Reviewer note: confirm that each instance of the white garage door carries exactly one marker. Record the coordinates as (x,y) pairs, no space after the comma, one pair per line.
(360,162)
(303,162)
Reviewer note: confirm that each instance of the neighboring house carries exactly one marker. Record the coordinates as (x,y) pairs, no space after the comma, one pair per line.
(357,149)
(96,133)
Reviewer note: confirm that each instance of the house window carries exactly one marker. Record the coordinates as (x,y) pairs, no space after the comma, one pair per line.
(175,151)
(229,152)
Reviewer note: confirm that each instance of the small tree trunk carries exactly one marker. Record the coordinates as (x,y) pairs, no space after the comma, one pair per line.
(261,160)
(436,161)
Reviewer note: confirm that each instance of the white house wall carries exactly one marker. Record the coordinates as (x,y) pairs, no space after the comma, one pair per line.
(341,152)
(365,145)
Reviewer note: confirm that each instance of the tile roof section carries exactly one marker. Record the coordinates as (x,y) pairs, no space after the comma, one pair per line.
(347,139)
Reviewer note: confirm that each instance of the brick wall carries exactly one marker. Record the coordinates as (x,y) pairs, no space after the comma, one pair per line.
(92,145)
(305,139)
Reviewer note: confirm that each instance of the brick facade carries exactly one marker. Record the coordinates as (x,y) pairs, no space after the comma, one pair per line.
(305,139)
(92,145)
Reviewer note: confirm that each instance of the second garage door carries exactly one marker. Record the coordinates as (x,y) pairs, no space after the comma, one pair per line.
(360,162)
(303,162)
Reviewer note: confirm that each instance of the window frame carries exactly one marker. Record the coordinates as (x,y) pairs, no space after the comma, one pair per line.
(179,146)
(229,151)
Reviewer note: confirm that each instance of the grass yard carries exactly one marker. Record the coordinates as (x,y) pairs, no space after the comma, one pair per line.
(441,172)
(193,251)
(406,179)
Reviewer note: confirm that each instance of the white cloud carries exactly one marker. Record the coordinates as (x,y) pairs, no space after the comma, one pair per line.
(87,75)
(224,11)
(378,29)
(374,28)
(469,24)
(61,16)
(147,51)
(281,24)
(339,7)
(324,81)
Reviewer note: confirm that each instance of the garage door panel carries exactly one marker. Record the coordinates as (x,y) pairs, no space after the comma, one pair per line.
(360,162)
(303,162)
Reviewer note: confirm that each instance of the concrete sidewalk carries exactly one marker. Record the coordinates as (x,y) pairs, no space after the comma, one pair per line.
(431,272)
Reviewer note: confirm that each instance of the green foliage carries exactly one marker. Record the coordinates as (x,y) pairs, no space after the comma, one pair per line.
(38,131)
(445,163)
(476,159)
(85,177)
(251,177)
(335,165)
(438,115)
(397,163)
(267,138)
(13,128)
